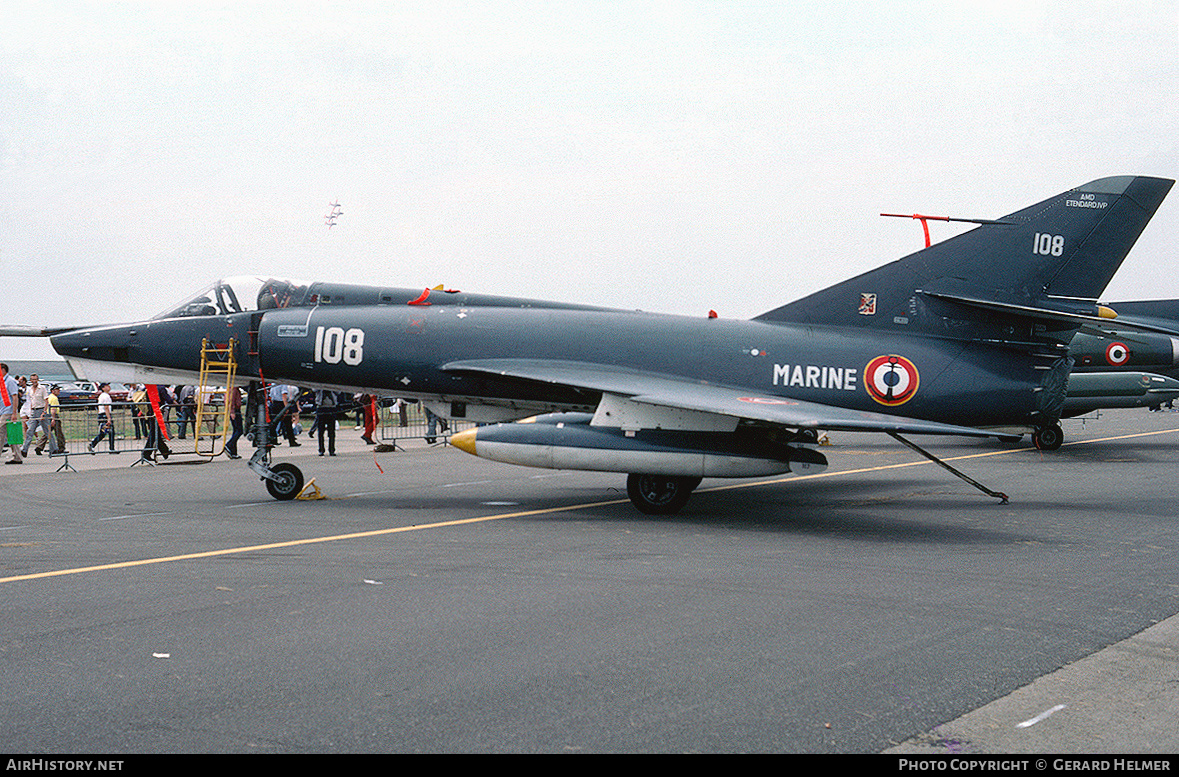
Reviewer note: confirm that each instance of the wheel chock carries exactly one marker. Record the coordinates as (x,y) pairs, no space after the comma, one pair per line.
(311,491)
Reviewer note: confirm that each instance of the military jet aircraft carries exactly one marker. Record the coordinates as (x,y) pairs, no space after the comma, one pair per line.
(1144,335)
(1129,358)
(969,336)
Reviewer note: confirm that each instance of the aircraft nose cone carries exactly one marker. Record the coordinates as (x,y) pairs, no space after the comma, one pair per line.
(67,344)
(106,344)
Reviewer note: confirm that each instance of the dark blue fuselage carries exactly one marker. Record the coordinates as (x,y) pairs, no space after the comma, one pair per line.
(405,350)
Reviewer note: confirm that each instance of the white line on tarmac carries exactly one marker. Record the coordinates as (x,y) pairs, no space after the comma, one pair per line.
(132,515)
(1041,716)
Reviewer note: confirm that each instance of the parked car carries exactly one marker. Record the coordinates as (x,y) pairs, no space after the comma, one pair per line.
(76,393)
(84,391)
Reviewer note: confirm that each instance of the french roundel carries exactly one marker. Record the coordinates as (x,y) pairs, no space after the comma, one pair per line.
(891,380)
(1117,354)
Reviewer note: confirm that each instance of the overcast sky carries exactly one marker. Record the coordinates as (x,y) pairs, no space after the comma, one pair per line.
(669,156)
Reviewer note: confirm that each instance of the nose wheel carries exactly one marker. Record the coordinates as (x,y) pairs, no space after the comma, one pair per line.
(285,482)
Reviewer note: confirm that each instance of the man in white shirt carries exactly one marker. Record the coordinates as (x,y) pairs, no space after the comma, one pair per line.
(283,409)
(37,396)
(106,421)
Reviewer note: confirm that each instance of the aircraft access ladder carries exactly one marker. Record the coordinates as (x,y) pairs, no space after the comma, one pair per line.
(218,369)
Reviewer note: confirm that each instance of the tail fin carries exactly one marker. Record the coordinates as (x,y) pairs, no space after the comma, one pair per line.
(1047,262)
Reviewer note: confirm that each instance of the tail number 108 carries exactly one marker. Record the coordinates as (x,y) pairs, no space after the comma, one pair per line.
(334,344)
(1048,245)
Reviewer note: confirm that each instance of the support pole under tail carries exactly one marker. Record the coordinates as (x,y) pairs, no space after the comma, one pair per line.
(996,494)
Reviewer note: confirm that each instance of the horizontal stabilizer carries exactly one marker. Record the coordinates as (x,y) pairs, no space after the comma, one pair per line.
(1038,312)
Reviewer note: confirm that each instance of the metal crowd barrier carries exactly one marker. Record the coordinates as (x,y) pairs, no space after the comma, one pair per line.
(408,421)
(130,431)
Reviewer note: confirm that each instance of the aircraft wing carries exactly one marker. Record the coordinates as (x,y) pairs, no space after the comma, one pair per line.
(665,391)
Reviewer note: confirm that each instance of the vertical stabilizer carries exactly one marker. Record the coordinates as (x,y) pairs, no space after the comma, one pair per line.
(1056,256)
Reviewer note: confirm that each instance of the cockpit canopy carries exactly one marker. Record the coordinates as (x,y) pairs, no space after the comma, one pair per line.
(240,294)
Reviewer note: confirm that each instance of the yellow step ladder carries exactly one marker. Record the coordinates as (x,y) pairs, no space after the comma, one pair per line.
(218,369)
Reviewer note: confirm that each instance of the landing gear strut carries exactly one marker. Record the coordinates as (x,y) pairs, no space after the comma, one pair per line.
(1048,438)
(284,480)
(660,494)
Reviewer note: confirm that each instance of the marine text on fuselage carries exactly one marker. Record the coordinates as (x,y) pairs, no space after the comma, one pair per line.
(816,376)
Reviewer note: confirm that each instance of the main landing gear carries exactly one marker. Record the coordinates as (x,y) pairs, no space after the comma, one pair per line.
(1048,438)
(660,494)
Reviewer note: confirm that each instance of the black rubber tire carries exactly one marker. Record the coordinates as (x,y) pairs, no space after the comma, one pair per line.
(289,483)
(1048,438)
(659,494)
(808,436)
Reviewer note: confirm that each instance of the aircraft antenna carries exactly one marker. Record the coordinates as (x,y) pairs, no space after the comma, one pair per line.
(926,219)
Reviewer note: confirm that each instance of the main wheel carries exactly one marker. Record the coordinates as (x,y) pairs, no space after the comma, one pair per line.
(289,482)
(659,494)
(1048,438)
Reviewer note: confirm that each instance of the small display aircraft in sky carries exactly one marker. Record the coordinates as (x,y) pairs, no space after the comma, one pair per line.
(333,214)
(969,336)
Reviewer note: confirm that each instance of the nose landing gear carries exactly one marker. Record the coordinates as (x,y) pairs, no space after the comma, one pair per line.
(283,480)
(286,481)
